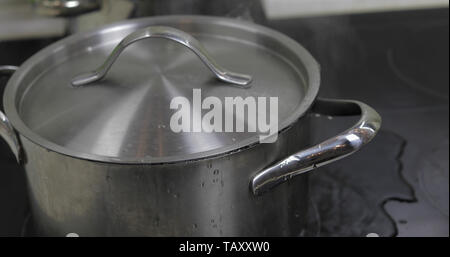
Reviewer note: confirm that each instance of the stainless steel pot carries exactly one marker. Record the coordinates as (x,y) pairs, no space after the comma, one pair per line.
(101,160)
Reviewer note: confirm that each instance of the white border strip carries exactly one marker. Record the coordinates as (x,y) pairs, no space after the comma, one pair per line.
(278,9)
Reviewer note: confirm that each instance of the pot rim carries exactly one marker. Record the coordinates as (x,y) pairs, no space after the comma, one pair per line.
(310,66)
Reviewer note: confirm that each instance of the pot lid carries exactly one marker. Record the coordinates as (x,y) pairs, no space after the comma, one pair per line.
(123,93)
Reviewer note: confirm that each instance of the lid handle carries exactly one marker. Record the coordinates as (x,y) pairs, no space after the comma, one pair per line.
(176,35)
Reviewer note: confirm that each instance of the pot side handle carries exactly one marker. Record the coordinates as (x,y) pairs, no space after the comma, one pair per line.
(181,37)
(7,131)
(326,152)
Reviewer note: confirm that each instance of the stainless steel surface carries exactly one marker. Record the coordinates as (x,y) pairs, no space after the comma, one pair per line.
(326,152)
(208,197)
(125,118)
(7,70)
(6,129)
(66,7)
(169,33)
(100,160)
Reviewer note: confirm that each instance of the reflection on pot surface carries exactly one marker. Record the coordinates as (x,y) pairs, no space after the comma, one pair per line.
(102,159)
